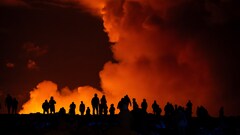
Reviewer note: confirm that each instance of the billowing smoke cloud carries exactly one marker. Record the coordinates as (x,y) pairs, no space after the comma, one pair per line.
(165,51)
(63,97)
(157,53)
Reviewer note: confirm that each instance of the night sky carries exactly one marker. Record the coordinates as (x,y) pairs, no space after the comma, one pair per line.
(179,50)
(48,42)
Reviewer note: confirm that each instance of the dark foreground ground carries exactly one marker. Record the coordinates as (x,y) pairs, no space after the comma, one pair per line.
(55,124)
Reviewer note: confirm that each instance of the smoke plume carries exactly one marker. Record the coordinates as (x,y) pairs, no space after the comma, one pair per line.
(164,51)
(64,97)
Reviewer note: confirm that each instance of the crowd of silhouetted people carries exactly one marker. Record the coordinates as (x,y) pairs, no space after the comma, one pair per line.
(137,119)
(100,107)
(11,103)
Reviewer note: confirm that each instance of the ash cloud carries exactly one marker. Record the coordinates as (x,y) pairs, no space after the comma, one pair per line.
(173,50)
(64,97)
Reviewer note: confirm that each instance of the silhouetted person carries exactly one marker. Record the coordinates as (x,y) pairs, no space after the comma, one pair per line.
(169,109)
(189,110)
(14,106)
(139,117)
(45,107)
(105,111)
(221,112)
(62,111)
(52,103)
(112,110)
(95,104)
(88,111)
(135,105)
(82,108)
(121,105)
(127,100)
(72,108)
(144,105)
(158,110)
(8,103)
(103,106)
(154,107)
(202,112)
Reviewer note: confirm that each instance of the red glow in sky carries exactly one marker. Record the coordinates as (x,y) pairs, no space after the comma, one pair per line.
(163,50)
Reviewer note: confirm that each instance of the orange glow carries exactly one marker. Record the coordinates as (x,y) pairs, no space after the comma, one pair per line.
(155,61)
(64,97)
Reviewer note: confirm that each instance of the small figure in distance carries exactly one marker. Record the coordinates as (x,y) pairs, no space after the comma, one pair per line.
(144,105)
(62,111)
(103,105)
(8,103)
(120,105)
(127,100)
(154,107)
(135,105)
(52,103)
(169,109)
(221,112)
(95,103)
(72,108)
(189,104)
(45,107)
(82,108)
(88,112)
(189,110)
(14,106)
(202,112)
(112,110)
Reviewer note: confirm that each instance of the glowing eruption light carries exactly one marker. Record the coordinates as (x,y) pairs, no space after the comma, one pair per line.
(64,97)
(158,52)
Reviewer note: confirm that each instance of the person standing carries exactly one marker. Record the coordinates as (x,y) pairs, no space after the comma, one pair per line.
(82,108)
(144,105)
(112,110)
(52,103)
(45,107)
(14,106)
(103,106)
(8,103)
(95,103)
(135,105)
(88,111)
(72,108)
